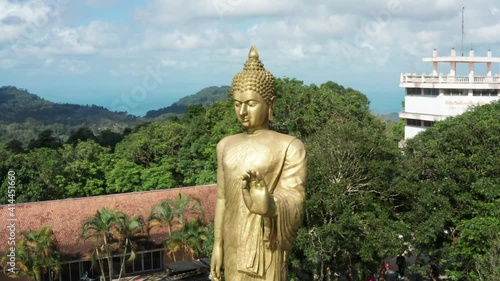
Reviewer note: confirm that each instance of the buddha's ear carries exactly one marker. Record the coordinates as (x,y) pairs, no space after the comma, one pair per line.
(271,109)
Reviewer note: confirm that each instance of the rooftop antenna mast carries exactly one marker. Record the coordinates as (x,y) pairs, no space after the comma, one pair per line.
(463,8)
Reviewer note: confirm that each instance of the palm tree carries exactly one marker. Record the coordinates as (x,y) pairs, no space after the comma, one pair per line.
(128,228)
(37,255)
(102,230)
(163,216)
(187,206)
(188,240)
(173,214)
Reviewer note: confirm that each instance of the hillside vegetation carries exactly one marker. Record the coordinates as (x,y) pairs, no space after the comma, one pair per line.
(23,115)
(205,97)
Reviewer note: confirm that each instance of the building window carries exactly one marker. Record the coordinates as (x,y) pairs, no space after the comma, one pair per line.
(485,93)
(428,123)
(145,261)
(413,122)
(73,271)
(456,92)
(413,91)
(431,92)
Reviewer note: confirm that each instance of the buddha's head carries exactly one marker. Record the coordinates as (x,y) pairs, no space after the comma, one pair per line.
(253,92)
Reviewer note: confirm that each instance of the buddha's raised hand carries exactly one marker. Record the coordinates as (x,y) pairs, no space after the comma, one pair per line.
(255,194)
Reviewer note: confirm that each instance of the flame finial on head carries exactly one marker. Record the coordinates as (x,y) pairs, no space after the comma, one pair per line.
(253,53)
(255,77)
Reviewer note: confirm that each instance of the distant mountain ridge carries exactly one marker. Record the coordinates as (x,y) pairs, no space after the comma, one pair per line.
(390,117)
(206,97)
(17,105)
(23,115)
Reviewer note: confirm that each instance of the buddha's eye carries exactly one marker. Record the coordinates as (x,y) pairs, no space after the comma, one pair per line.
(237,104)
(252,104)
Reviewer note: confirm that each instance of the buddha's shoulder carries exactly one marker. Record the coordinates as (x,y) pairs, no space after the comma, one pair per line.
(279,137)
(230,139)
(291,144)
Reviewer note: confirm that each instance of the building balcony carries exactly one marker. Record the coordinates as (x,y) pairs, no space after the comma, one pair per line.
(409,78)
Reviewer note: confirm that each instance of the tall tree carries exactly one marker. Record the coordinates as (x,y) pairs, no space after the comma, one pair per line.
(350,165)
(46,139)
(37,256)
(36,174)
(128,228)
(197,161)
(103,231)
(145,160)
(124,176)
(151,144)
(449,188)
(301,110)
(15,146)
(82,134)
(84,172)
(110,139)
(349,226)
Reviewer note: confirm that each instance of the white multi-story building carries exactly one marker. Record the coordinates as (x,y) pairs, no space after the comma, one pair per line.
(434,97)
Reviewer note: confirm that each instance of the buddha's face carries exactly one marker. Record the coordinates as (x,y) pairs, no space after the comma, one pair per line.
(251,109)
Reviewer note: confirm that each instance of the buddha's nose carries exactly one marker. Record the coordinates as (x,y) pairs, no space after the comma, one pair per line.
(243,110)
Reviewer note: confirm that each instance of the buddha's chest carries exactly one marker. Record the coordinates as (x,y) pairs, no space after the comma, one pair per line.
(262,157)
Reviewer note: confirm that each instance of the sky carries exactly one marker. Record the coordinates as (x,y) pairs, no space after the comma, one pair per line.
(137,56)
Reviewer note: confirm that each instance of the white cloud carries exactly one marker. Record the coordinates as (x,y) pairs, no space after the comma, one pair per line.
(167,12)
(26,20)
(231,8)
(179,40)
(207,40)
(485,34)
(102,34)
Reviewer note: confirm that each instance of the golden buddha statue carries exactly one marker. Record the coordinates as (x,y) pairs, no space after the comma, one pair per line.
(261,179)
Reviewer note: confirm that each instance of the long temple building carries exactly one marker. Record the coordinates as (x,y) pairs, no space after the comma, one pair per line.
(436,96)
(66,217)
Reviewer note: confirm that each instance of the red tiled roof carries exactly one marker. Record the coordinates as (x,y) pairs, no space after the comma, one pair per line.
(66,216)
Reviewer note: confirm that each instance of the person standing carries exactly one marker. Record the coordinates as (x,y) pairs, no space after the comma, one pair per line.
(401,263)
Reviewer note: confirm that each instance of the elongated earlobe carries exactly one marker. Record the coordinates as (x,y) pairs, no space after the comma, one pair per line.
(271,107)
